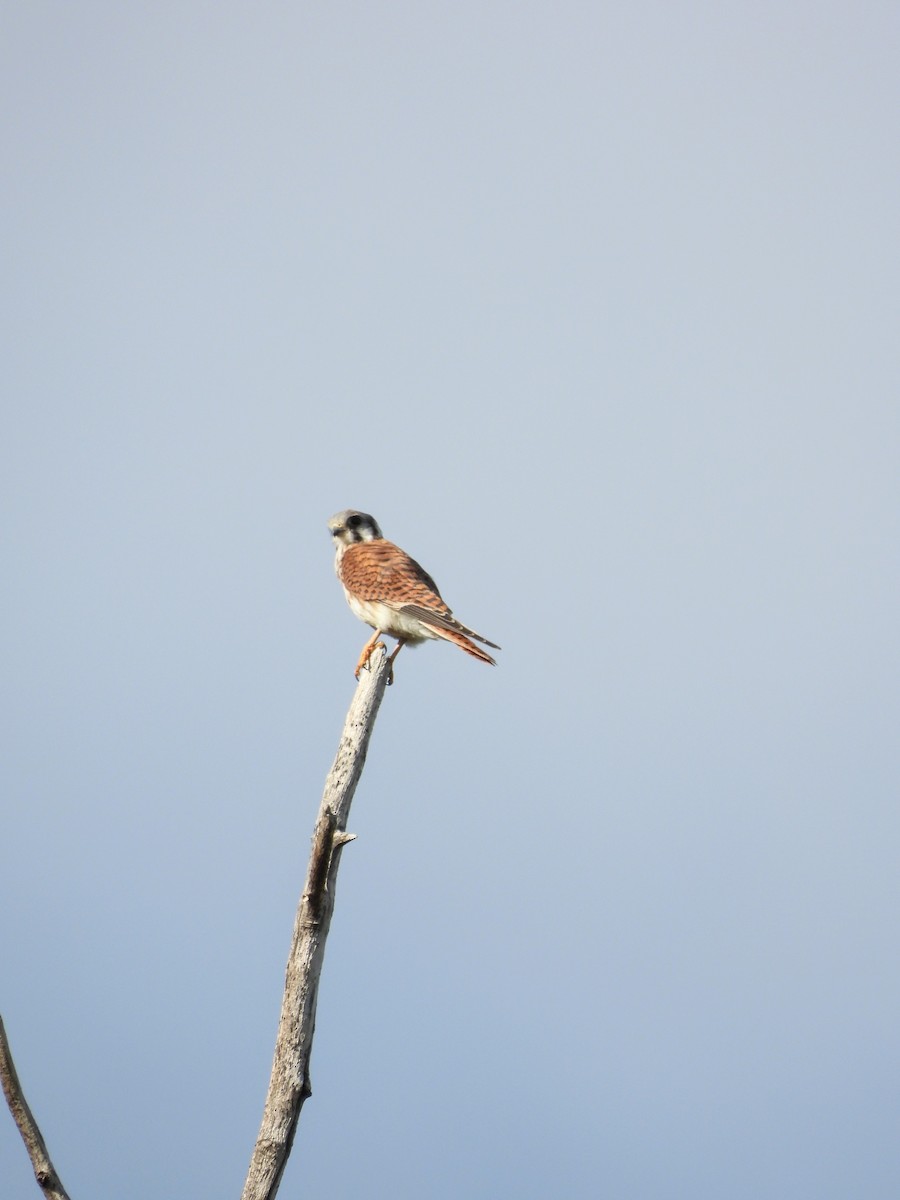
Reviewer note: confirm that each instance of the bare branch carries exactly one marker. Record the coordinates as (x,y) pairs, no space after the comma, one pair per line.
(44,1171)
(289,1084)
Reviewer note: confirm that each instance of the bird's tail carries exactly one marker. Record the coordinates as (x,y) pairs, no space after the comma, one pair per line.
(464,643)
(445,625)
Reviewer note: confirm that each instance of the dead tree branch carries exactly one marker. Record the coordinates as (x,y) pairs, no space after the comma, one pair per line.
(289,1084)
(44,1171)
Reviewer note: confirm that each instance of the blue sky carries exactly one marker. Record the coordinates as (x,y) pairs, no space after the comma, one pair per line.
(595,308)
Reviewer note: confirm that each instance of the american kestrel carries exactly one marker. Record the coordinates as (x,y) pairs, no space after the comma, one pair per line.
(389,591)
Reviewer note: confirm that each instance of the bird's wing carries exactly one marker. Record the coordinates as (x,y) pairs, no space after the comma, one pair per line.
(380,570)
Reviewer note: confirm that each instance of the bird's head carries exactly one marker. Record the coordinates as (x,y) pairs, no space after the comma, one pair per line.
(351,526)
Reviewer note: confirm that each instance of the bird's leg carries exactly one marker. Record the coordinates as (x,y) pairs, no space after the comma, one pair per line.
(367,651)
(400,645)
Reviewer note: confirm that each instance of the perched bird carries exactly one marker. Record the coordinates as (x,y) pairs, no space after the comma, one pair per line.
(390,591)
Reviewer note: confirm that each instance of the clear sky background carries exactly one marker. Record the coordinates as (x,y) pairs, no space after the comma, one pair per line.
(596,309)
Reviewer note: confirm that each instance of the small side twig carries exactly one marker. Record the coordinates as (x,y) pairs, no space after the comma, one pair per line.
(289,1084)
(44,1171)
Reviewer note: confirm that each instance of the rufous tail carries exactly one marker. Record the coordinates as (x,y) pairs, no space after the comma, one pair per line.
(464,643)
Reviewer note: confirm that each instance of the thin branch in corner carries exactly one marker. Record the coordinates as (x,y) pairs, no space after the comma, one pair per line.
(289,1084)
(44,1171)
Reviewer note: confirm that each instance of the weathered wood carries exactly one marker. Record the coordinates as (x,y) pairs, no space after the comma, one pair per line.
(44,1171)
(289,1084)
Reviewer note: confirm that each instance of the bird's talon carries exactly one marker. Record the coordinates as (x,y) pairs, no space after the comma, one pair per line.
(368,650)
